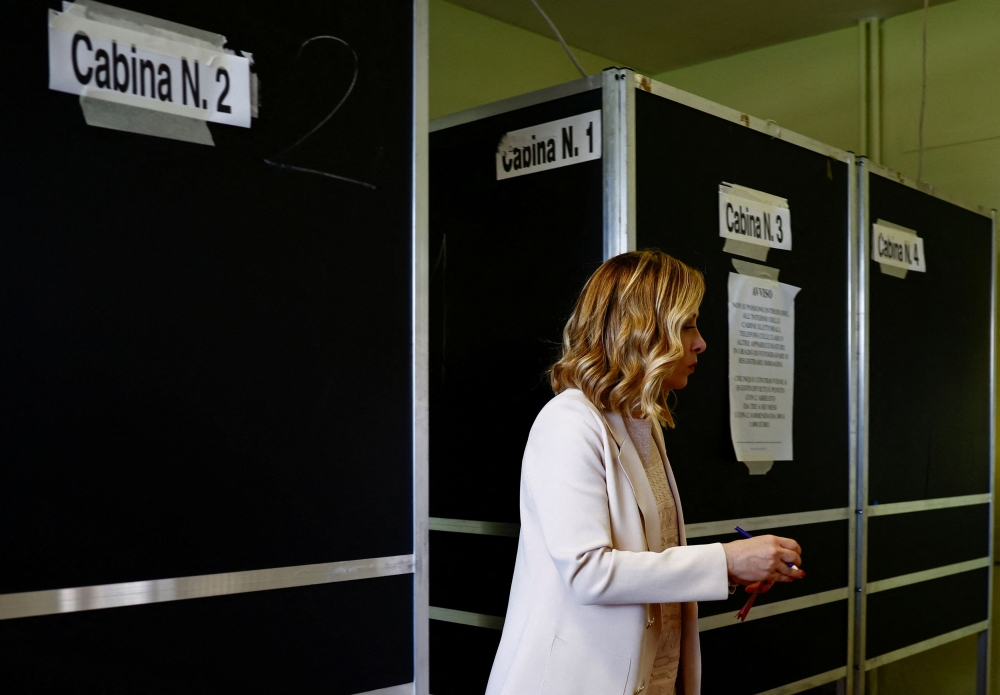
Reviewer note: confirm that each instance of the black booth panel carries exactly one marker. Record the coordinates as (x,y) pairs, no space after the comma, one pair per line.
(470,572)
(682,156)
(766,653)
(929,353)
(341,638)
(508,259)
(824,559)
(905,543)
(461,658)
(206,360)
(900,617)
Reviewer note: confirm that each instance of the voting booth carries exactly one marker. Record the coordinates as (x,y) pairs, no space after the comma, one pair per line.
(763,436)
(213,387)
(527,197)
(509,255)
(927,278)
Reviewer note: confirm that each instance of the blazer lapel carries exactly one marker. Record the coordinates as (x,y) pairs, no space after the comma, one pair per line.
(658,439)
(628,459)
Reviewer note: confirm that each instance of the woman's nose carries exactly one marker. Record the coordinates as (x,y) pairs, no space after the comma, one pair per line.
(699,345)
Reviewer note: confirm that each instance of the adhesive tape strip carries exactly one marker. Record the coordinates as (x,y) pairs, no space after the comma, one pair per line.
(116,111)
(758,252)
(754,270)
(759,467)
(127,19)
(756,196)
(74,21)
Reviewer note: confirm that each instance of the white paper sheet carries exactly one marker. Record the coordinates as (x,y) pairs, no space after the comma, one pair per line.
(761,367)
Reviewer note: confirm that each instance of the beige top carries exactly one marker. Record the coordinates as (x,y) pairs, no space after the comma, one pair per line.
(668,653)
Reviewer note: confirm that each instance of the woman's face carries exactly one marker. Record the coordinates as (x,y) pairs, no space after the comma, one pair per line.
(694,345)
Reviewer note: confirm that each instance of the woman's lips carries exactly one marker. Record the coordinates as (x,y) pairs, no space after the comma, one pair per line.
(693,366)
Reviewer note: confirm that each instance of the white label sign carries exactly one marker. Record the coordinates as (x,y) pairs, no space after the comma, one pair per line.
(761,367)
(142,69)
(550,145)
(754,217)
(898,246)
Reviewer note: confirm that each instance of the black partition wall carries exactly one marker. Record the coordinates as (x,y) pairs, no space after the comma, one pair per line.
(684,151)
(211,446)
(508,258)
(927,450)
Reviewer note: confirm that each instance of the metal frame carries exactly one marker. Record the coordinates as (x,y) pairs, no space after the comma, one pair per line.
(931,643)
(923,187)
(28,604)
(928,505)
(927,575)
(854,432)
(767,610)
(866,167)
(479,528)
(618,130)
(809,683)
(985,646)
(857,681)
(451,615)
(421,353)
(771,128)
(521,101)
(697,530)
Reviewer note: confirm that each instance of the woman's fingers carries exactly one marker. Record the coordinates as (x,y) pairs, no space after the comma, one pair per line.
(787,556)
(787,572)
(764,558)
(789,544)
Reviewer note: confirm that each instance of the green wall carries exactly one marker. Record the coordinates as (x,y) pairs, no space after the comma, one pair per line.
(477,60)
(810,86)
(962,129)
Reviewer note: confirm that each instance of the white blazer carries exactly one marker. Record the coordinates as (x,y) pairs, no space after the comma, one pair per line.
(590,563)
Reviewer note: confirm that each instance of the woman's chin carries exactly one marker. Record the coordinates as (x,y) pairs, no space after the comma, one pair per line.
(676,385)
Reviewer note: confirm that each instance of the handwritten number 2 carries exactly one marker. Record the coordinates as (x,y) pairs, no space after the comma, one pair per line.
(281,165)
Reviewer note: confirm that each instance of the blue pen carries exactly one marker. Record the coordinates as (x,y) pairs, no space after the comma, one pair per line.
(747,535)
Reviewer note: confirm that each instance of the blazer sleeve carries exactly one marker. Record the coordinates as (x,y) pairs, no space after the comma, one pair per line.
(564,478)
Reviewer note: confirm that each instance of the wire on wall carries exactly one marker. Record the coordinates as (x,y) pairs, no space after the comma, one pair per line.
(561,39)
(923,102)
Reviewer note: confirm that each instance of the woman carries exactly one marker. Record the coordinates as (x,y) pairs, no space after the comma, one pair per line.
(604,590)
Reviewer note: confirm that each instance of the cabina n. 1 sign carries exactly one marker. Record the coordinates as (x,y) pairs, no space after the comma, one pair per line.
(117,57)
(550,145)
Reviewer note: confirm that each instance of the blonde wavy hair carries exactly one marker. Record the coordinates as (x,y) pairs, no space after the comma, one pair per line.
(624,337)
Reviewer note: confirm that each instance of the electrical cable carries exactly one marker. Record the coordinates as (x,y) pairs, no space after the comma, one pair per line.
(561,39)
(923,102)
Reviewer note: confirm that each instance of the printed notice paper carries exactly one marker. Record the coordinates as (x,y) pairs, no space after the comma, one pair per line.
(761,367)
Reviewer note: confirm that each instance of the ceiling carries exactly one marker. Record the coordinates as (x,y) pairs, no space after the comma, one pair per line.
(653,36)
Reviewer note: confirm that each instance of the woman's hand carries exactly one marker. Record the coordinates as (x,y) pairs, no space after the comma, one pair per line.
(763,558)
